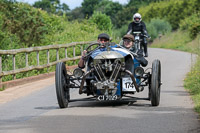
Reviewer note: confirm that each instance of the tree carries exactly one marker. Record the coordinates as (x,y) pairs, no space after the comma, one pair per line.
(76,13)
(124,16)
(102,21)
(45,5)
(52,6)
(110,9)
(65,7)
(89,6)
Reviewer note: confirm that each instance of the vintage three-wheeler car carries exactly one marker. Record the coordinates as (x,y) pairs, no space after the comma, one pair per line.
(109,75)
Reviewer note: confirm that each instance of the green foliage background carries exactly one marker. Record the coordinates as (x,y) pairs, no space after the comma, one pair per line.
(23,26)
(192,24)
(102,21)
(172,10)
(158,27)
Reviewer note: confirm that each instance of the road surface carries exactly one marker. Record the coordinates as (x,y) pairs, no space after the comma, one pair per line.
(38,112)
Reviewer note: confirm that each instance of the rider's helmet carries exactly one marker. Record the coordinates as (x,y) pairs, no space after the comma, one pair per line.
(137,18)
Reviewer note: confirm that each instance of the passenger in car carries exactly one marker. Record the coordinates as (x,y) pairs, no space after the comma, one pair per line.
(128,43)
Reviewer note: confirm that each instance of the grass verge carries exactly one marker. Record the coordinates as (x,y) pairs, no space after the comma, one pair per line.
(3,88)
(192,83)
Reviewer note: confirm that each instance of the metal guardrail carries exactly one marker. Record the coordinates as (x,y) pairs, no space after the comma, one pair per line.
(13,52)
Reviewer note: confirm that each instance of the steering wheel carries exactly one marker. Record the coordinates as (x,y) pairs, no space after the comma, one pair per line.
(89,52)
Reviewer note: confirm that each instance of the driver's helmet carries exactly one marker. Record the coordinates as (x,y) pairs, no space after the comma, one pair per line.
(137,18)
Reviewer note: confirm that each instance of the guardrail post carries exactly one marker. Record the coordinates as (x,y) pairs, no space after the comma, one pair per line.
(26,54)
(38,58)
(47,60)
(48,56)
(0,68)
(74,53)
(14,76)
(57,54)
(65,52)
(81,49)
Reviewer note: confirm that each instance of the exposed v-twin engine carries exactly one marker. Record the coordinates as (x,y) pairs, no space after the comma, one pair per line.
(107,72)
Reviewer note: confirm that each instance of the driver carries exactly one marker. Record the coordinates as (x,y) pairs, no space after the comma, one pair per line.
(102,38)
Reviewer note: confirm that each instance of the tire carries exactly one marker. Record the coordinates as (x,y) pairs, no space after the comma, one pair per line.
(155,83)
(62,82)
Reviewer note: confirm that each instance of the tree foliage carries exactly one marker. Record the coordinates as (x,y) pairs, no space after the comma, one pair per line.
(110,9)
(157,27)
(124,16)
(192,24)
(20,21)
(89,7)
(102,21)
(52,6)
(171,10)
(76,14)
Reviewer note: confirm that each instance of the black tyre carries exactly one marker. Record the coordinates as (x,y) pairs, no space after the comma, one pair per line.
(62,82)
(155,83)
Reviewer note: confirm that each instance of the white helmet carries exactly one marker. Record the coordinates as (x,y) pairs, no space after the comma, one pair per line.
(137,15)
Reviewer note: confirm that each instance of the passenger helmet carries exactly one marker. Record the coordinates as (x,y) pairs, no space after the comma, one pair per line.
(135,16)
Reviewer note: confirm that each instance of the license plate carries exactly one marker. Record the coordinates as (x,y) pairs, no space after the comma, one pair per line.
(127,84)
(106,98)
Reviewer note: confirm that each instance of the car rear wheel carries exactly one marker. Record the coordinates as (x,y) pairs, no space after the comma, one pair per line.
(155,83)
(62,83)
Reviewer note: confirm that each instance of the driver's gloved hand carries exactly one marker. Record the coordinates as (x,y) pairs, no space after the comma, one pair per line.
(84,58)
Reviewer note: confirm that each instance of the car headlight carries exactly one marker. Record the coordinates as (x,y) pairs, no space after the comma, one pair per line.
(78,73)
(139,71)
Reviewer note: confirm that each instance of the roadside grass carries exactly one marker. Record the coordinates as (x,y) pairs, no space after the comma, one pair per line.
(192,83)
(180,40)
(2,88)
(175,40)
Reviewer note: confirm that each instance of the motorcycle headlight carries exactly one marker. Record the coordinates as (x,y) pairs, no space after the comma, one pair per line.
(78,72)
(139,71)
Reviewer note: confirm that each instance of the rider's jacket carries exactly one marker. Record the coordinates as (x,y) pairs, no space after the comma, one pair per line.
(137,27)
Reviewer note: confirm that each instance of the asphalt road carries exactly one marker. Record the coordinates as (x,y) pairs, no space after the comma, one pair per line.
(39,112)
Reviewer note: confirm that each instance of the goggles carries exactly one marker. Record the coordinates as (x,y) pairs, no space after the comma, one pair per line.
(127,40)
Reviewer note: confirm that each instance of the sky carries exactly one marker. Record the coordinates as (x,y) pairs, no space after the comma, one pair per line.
(72,3)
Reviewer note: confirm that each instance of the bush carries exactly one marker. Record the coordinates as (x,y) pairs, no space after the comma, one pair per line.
(23,26)
(192,24)
(172,10)
(102,21)
(158,26)
(119,33)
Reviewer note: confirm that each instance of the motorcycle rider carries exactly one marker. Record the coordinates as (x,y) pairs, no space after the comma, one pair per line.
(139,26)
